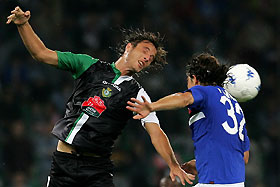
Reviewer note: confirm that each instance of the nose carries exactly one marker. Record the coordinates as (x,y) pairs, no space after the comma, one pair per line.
(146,58)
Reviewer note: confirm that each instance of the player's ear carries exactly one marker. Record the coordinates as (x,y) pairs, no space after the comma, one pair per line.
(128,47)
(194,79)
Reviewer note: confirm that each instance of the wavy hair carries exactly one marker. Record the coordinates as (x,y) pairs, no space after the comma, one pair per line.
(207,69)
(135,36)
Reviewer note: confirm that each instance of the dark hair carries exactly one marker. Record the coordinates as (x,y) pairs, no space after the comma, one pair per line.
(135,36)
(207,69)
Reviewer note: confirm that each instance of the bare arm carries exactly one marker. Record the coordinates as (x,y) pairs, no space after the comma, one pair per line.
(163,147)
(246,157)
(174,101)
(32,42)
(171,102)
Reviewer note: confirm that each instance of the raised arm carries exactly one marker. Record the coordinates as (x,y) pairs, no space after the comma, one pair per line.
(163,147)
(171,102)
(32,42)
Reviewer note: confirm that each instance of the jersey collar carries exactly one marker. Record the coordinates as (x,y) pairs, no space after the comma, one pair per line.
(117,72)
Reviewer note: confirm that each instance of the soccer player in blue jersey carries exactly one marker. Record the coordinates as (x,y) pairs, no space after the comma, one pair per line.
(216,119)
(96,111)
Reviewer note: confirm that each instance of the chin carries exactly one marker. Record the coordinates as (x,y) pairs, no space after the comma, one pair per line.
(137,70)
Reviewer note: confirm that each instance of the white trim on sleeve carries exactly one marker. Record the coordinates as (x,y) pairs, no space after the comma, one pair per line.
(122,79)
(152,117)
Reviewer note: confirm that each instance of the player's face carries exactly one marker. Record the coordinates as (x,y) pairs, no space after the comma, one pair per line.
(140,56)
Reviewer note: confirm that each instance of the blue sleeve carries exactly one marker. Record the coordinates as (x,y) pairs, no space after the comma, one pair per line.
(199,97)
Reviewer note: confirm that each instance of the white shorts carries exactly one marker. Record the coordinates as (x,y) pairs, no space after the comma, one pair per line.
(241,184)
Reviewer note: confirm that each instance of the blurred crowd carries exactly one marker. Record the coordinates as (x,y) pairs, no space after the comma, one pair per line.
(33,95)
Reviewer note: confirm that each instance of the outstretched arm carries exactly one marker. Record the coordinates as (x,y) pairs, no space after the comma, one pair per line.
(171,102)
(163,147)
(32,42)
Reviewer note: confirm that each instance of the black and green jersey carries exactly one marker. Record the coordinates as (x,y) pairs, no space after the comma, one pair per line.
(96,111)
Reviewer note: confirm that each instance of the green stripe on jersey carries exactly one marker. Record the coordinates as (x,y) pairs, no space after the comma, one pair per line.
(81,120)
(117,72)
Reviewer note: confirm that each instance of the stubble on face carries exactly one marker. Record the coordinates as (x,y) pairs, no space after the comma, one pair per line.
(140,56)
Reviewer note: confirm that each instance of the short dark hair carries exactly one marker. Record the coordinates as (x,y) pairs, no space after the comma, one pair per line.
(207,69)
(135,36)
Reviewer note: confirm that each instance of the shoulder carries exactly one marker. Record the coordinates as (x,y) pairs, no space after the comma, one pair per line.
(199,89)
(100,65)
(207,89)
(201,95)
(128,80)
(69,55)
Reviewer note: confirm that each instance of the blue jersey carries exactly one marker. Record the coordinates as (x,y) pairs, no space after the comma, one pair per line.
(219,134)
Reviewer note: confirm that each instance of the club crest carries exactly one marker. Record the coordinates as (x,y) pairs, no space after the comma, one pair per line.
(106,92)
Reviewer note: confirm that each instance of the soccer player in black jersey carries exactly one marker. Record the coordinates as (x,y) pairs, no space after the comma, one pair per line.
(96,111)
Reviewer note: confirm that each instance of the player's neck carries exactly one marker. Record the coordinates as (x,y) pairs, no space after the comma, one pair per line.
(123,68)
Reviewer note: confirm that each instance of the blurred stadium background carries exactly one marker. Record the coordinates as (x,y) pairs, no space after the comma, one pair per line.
(32,95)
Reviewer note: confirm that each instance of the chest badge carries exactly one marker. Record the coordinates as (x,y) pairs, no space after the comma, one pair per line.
(106,92)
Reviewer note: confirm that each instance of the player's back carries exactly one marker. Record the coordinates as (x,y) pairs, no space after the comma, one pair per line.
(219,135)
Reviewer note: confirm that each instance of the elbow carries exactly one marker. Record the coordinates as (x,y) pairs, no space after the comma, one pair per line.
(37,57)
(41,55)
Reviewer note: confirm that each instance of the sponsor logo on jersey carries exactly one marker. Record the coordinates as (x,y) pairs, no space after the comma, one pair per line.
(94,106)
(114,85)
(106,92)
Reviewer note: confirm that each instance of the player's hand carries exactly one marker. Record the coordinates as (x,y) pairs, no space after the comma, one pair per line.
(190,167)
(18,16)
(141,108)
(183,176)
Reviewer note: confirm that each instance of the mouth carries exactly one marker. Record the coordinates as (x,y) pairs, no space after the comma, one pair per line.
(141,64)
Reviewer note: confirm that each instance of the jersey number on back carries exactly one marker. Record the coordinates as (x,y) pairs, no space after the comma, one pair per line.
(231,113)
